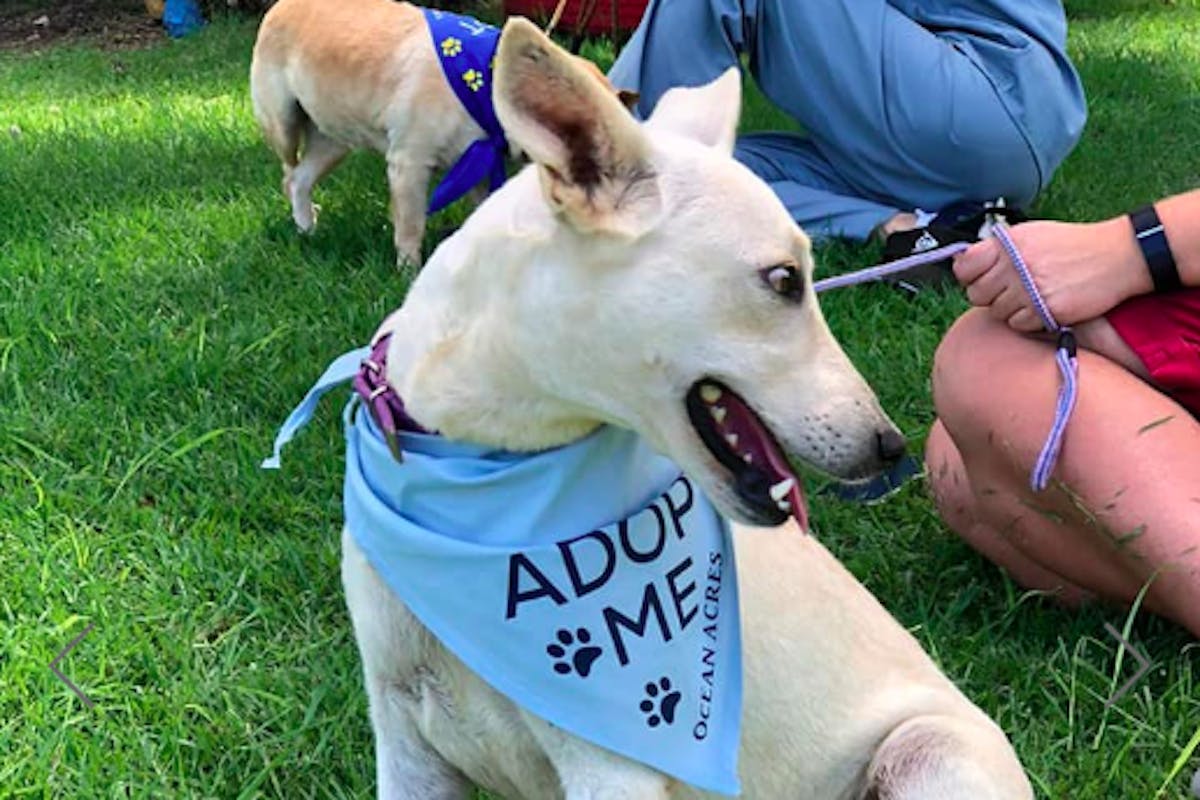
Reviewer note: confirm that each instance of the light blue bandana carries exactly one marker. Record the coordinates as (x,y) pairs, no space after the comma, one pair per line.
(592,584)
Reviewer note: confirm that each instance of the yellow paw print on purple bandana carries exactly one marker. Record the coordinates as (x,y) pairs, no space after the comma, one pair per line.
(474,79)
(451,46)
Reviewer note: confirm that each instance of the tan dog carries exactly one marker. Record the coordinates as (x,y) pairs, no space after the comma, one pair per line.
(617,281)
(332,75)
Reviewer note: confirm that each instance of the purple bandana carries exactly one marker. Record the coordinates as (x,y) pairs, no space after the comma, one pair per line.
(467,47)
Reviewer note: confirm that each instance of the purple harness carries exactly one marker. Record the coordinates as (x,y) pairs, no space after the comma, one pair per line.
(466,49)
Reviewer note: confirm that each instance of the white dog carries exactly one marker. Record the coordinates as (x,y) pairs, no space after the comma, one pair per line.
(636,278)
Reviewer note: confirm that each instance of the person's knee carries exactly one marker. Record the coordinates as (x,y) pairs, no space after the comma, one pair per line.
(957,369)
(948,482)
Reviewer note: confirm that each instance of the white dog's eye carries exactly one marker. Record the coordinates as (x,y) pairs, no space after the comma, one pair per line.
(784,280)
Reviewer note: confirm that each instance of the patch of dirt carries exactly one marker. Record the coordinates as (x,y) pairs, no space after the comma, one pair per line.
(32,25)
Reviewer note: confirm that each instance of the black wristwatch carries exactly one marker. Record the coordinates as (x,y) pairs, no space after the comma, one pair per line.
(1152,239)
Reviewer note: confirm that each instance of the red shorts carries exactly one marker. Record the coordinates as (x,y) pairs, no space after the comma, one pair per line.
(1164,331)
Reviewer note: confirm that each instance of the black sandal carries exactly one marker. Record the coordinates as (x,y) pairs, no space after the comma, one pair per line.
(958,222)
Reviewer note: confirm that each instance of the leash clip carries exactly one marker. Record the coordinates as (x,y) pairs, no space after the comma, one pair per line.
(1066,341)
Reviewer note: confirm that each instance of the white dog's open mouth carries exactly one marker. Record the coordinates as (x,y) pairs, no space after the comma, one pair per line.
(740,442)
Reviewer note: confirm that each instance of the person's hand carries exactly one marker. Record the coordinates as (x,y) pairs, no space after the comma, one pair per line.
(1082,271)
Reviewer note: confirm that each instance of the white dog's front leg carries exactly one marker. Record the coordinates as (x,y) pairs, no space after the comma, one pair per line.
(588,772)
(405,766)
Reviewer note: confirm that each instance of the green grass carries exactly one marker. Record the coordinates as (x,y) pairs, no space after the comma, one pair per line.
(159,317)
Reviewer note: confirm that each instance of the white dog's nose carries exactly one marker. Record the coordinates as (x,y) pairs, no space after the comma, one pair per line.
(890,444)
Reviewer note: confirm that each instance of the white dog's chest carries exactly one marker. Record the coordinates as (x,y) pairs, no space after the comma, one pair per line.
(590,584)
(432,695)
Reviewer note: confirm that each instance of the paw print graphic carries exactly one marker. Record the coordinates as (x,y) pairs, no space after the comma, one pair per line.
(573,652)
(451,46)
(660,703)
(474,79)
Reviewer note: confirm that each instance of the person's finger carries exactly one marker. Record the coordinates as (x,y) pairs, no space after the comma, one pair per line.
(1026,320)
(976,261)
(1006,304)
(984,290)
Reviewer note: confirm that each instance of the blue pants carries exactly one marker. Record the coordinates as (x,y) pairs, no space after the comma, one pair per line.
(901,108)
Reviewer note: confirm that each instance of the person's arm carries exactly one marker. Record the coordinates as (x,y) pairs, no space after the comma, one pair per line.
(1081,269)
(1180,216)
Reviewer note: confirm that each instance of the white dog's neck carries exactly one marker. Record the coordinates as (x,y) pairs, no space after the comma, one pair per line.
(454,356)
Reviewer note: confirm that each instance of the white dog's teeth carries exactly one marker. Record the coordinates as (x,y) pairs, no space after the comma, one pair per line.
(784,506)
(718,413)
(732,438)
(782,489)
(709,393)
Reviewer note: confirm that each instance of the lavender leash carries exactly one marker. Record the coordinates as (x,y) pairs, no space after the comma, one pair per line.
(1068,365)
(1065,357)
(890,268)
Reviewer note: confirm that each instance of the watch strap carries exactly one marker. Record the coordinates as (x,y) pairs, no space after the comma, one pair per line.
(1152,239)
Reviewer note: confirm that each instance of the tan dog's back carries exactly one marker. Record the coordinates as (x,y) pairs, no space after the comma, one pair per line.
(357,68)
(332,75)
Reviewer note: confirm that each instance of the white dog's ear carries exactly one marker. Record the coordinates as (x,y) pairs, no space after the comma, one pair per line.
(709,114)
(591,153)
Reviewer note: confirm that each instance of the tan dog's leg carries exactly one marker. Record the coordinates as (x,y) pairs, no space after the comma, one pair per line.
(321,154)
(408,180)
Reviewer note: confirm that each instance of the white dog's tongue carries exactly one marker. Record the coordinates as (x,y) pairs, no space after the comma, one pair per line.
(783,473)
(750,439)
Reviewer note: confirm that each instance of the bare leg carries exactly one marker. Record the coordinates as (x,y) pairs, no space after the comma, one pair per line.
(321,154)
(1123,509)
(903,221)
(955,499)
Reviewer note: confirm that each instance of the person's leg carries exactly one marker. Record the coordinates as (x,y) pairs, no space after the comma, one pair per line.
(1124,508)
(905,117)
(901,118)
(811,190)
(681,43)
(955,499)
